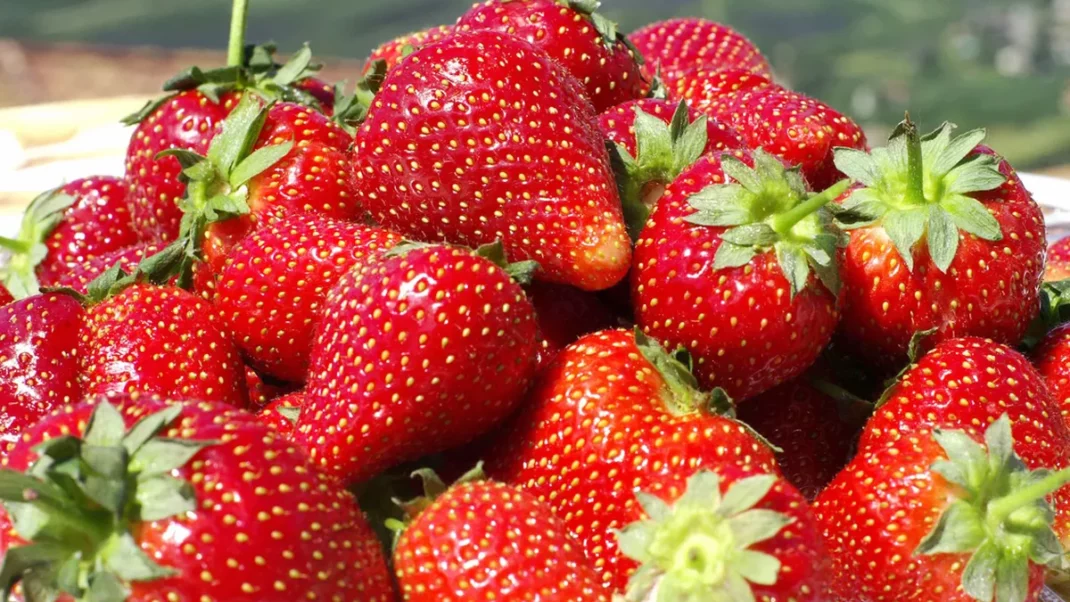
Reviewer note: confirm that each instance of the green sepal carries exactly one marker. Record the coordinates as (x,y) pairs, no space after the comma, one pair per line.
(350,110)
(701,546)
(768,208)
(1054,302)
(920,188)
(521,271)
(42,216)
(915,349)
(607,29)
(663,151)
(997,513)
(289,413)
(683,395)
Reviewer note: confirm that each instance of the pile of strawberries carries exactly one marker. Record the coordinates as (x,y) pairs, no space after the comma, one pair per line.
(534,311)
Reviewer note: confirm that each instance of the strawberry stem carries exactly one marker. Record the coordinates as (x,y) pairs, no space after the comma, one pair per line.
(784,222)
(915,168)
(238,17)
(1000,510)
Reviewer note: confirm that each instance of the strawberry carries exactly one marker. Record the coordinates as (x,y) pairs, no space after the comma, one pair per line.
(564,314)
(127,258)
(393,51)
(271,289)
(282,412)
(261,391)
(887,502)
(710,90)
(158,500)
(724,534)
(800,130)
(738,265)
(537,176)
(814,430)
(654,141)
(615,414)
(942,236)
(158,340)
(572,32)
(1052,360)
(416,353)
(38,360)
(485,540)
(5,296)
(674,46)
(65,228)
(190,115)
(1057,266)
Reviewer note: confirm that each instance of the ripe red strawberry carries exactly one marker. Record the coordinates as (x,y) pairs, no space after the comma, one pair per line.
(564,314)
(416,353)
(282,412)
(38,360)
(726,534)
(190,116)
(5,296)
(128,258)
(800,130)
(812,428)
(586,43)
(536,175)
(742,273)
(263,392)
(393,51)
(64,228)
(489,541)
(162,341)
(1057,266)
(159,500)
(878,510)
(1052,359)
(612,416)
(976,270)
(271,290)
(677,45)
(709,90)
(655,140)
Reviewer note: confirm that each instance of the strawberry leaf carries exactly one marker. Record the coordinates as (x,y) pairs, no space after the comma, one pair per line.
(757,234)
(905,228)
(857,165)
(794,264)
(164,496)
(977,174)
(953,151)
(943,239)
(260,160)
(970,215)
(240,131)
(733,256)
(297,68)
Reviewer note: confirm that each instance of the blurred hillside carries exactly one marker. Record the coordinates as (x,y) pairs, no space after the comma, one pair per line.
(1001,64)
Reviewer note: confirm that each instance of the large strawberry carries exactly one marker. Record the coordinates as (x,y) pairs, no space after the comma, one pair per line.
(271,289)
(654,141)
(936,515)
(724,534)
(189,116)
(159,340)
(889,498)
(738,264)
(611,416)
(416,353)
(1057,266)
(38,360)
(185,501)
(573,33)
(678,45)
(709,90)
(484,137)
(65,228)
(814,430)
(393,51)
(943,236)
(524,551)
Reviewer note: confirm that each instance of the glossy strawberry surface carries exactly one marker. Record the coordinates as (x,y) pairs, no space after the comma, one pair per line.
(677,45)
(393,51)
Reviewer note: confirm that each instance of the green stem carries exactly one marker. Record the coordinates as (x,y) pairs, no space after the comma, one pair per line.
(915,169)
(784,222)
(236,49)
(1000,509)
(15,246)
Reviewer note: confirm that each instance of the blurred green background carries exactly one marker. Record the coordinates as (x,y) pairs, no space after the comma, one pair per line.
(1000,64)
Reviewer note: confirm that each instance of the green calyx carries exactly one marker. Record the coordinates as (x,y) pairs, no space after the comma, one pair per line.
(662,152)
(258,73)
(998,515)
(350,110)
(27,251)
(608,29)
(700,548)
(767,207)
(922,187)
(682,394)
(523,272)
(433,488)
(216,186)
(80,503)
